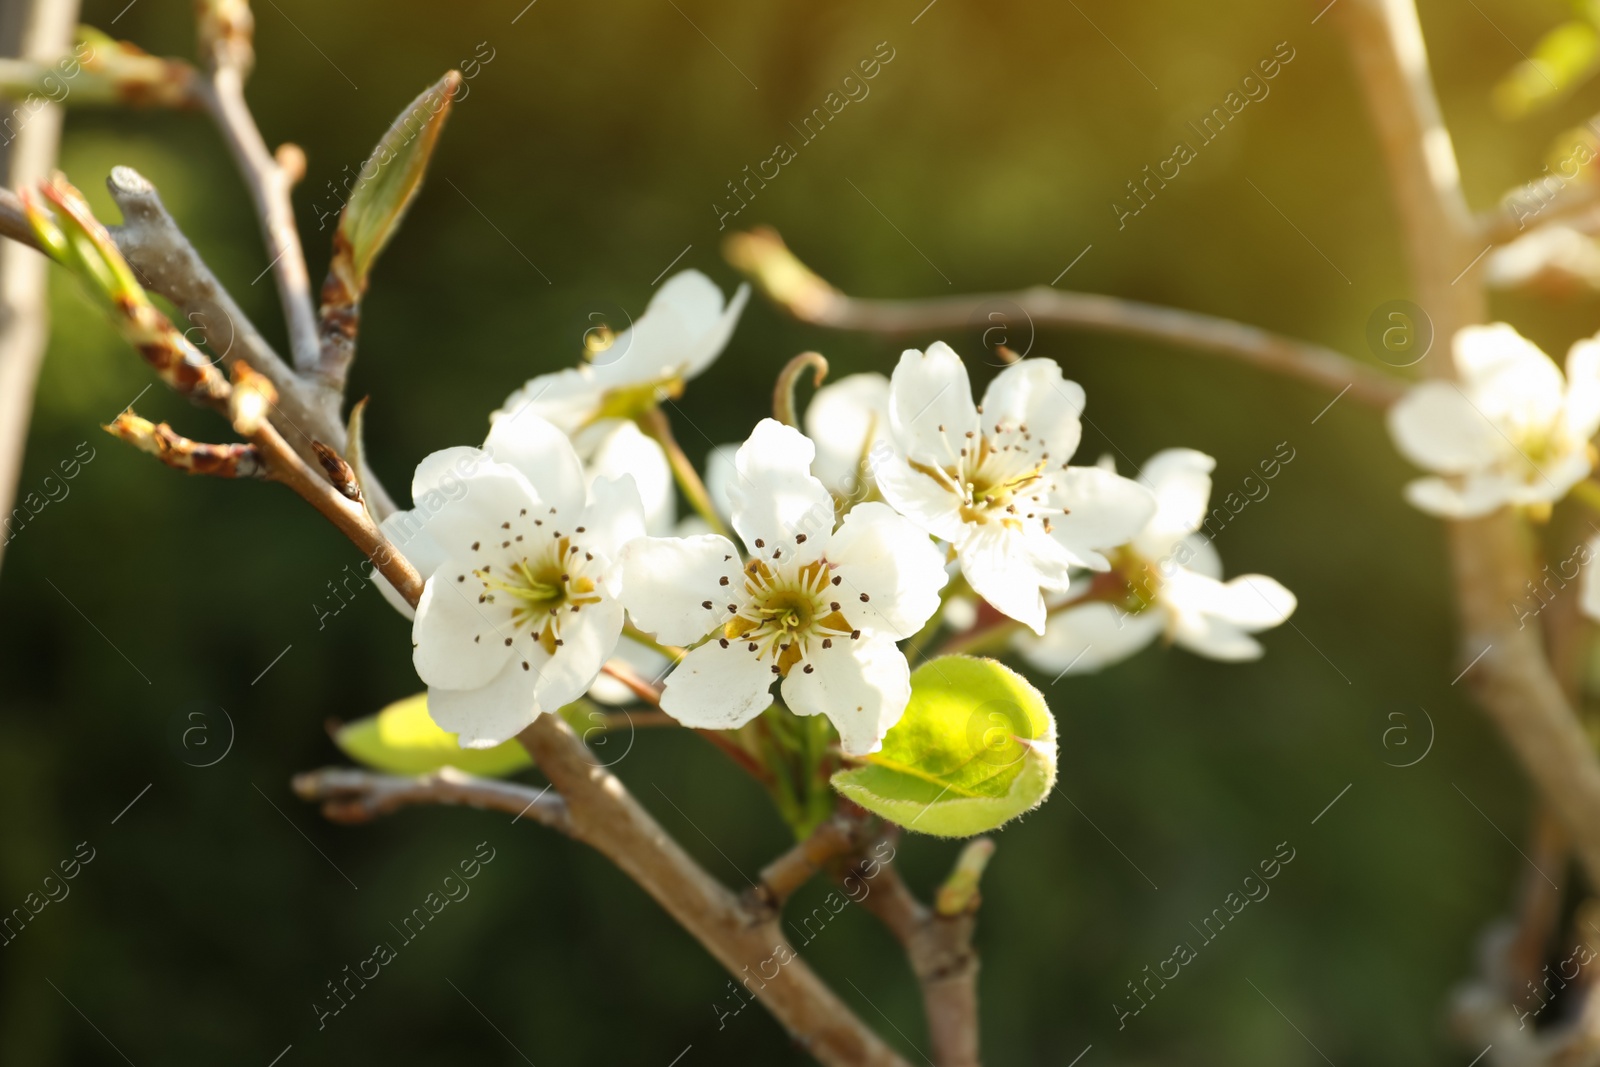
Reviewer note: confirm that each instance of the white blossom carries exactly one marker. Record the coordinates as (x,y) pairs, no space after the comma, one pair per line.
(817,607)
(682,331)
(1511,432)
(994,479)
(848,419)
(1172,573)
(521,609)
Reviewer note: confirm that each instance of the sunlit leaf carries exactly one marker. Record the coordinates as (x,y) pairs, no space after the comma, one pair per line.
(402,739)
(1562,60)
(975,748)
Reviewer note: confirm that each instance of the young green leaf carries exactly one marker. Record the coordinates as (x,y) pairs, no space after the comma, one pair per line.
(975,748)
(389,179)
(402,739)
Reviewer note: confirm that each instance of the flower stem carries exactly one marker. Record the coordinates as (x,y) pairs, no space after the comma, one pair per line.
(633,633)
(654,423)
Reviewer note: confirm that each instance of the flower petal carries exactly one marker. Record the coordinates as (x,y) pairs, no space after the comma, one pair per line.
(1032,393)
(1508,377)
(490,714)
(930,405)
(1180,478)
(406,530)
(1104,510)
(862,686)
(568,398)
(1089,637)
(890,566)
(682,330)
(1001,574)
(1581,411)
(614,447)
(919,498)
(717,687)
(666,582)
(588,637)
(846,419)
(459,643)
(778,505)
(1436,427)
(544,456)
(614,516)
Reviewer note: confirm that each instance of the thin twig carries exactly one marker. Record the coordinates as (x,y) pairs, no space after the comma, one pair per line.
(269,184)
(780,878)
(349,795)
(798,290)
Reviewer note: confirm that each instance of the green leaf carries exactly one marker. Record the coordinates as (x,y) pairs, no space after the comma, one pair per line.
(403,739)
(975,749)
(390,178)
(1562,60)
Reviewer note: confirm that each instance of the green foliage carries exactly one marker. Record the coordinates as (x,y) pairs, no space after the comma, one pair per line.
(1562,60)
(391,176)
(403,739)
(975,748)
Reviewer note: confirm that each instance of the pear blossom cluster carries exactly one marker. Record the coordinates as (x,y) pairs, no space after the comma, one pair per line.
(556,546)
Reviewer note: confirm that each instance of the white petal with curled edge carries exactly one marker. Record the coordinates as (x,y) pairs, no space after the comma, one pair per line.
(460,643)
(718,688)
(1089,637)
(846,419)
(490,714)
(442,475)
(1581,411)
(889,567)
(930,405)
(588,637)
(682,330)
(666,582)
(1436,427)
(778,504)
(1002,575)
(1104,510)
(544,456)
(614,516)
(1033,393)
(615,447)
(1180,478)
(862,686)
(1476,497)
(568,398)
(710,343)
(1215,619)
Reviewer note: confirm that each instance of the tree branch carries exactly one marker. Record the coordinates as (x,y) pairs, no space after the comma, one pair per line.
(1489,557)
(355,796)
(780,878)
(793,286)
(29,29)
(607,817)
(226,40)
(938,942)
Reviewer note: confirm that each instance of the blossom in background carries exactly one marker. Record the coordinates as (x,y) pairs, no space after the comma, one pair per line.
(847,419)
(994,481)
(521,608)
(1512,431)
(1172,574)
(817,607)
(680,334)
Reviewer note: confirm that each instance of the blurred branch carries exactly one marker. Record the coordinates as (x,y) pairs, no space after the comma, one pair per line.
(762,255)
(939,946)
(349,795)
(29,29)
(1505,225)
(1489,556)
(225,30)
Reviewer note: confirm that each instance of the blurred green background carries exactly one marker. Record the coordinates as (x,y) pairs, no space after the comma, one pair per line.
(593,145)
